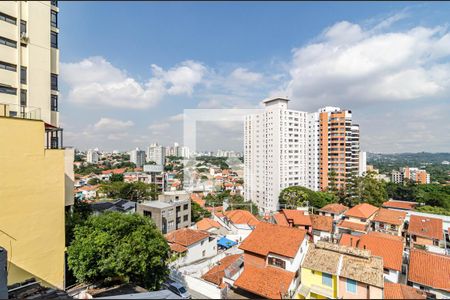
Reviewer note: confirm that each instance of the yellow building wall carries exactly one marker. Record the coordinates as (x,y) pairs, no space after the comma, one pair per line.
(309,278)
(31,202)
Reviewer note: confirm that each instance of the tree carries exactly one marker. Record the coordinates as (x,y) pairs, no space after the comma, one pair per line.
(120,247)
(198,212)
(366,189)
(77,215)
(294,196)
(132,191)
(93,181)
(116,177)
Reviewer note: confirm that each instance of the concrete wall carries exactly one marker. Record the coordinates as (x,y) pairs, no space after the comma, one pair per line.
(203,287)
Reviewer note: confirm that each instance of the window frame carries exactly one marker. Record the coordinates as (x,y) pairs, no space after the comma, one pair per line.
(8,19)
(276,262)
(8,67)
(325,278)
(348,283)
(8,42)
(23,27)
(54,44)
(23,94)
(55,14)
(8,90)
(55,107)
(53,87)
(23,79)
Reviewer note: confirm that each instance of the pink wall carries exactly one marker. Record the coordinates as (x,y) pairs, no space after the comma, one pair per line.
(361,291)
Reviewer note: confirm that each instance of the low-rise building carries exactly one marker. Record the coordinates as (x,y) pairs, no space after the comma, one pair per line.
(239,222)
(430,272)
(425,231)
(402,291)
(226,271)
(357,219)
(334,210)
(400,205)
(294,218)
(389,221)
(322,228)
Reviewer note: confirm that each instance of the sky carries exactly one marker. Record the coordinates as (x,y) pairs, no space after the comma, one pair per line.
(129,69)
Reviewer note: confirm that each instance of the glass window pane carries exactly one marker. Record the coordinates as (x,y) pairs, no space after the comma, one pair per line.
(326,279)
(351,286)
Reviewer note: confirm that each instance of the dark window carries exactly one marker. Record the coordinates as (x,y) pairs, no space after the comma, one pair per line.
(54,18)
(8,90)
(186,206)
(178,209)
(23,26)
(54,3)
(54,107)
(7,18)
(54,82)
(185,218)
(146,213)
(23,75)
(273,261)
(54,39)
(23,97)
(8,42)
(7,66)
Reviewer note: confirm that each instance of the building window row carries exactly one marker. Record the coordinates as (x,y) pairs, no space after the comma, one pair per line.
(8,90)
(54,82)
(54,39)
(8,66)
(8,18)
(8,42)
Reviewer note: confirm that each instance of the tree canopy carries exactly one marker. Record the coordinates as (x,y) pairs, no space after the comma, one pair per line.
(294,196)
(120,247)
(133,191)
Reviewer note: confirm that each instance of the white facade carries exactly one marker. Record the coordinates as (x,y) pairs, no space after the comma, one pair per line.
(157,154)
(183,152)
(362,163)
(137,157)
(92,156)
(392,276)
(200,250)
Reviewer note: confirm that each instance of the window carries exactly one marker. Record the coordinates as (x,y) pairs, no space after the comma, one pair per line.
(7,18)
(54,18)
(277,262)
(327,279)
(23,75)
(146,213)
(203,253)
(386,271)
(186,206)
(7,66)
(54,106)
(8,90)
(185,218)
(23,26)
(54,39)
(8,42)
(54,82)
(23,97)
(54,3)
(350,286)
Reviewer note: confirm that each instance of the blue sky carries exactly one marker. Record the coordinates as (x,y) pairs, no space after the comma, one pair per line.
(128,69)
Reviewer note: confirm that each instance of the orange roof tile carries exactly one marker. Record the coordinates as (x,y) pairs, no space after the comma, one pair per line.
(280,219)
(177,248)
(298,217)
(270,238)
(322,223)
(400,204)
(269,282)
(348,240)
(206,224)
(380,244)
(363,211)
(186,236)
(334,208)
(114,171)
(216,274)
(197,199)
(426,227)
(390,216)
(216,209)
(429,269)
(402,291)
(352,225)
(240,216)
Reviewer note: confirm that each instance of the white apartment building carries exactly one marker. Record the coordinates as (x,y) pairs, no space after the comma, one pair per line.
(29,60)
(157,154)
(137,157)
(183,151)
(92,156)
(362,163)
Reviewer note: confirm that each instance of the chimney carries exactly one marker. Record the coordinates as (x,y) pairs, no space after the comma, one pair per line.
(3,274)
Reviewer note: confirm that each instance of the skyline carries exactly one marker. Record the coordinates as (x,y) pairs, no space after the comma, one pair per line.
(125,84)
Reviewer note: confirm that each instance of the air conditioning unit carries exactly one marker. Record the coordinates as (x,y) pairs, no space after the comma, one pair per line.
(24,37)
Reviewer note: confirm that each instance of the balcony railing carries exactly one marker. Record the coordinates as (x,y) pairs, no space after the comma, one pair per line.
(20,111)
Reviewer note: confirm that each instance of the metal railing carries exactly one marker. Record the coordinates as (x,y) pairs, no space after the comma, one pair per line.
(20,111)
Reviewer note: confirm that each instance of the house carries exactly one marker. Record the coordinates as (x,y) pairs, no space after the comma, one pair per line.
(400,205)
(333,271)
(272,259)
(322,227)
(87,192)
(389,221)
(294,218)
(192,245)
(425,231)
(197,199)
(334,210)
(239,222)
(209,225)
(226,271)
(402,291)
(120,205)
(430,272)
(357,219)
(349,240)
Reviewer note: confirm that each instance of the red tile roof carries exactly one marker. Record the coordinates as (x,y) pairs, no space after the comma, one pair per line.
(380,244)
(298,217)
(280,219)
(186,236)
(239,216)
(197,199)
(270,238)
(429,269)
(406,205)
(426,227)
(322,223)
(269,282)
(363,211)
(177,248)
(206,224)
(390,216)
(334,208)
(402,291)
(114,171)
(216,274)
(348,240)
(352,225)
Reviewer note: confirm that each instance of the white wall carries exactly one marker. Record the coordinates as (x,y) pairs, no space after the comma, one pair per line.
(203,287)
(322,234)
(393,276)
(195,251)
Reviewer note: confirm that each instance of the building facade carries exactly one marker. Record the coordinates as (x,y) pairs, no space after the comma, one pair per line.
(413,174)
(157,154)
(92,156)
(137,157)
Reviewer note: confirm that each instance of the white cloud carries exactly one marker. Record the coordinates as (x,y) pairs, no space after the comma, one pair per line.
(108,124)
(159,126)
(95,81)
(243,76)
(177,118)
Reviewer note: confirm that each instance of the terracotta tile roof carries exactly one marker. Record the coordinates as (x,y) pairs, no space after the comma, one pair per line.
(390,216)
(322,223)
(298,217)
(177,248)
(391,250)
(402,291)
(206,224)
(186,236)
(352,225)
(239,216)
(216,209)
(426,227)
(429,269)
(269,282)
(216,274)
(363,211)
(270,238)
(197,199)
(406,205)
(334,208)
(348,240)
(280,219)
(321,260)
(114,171)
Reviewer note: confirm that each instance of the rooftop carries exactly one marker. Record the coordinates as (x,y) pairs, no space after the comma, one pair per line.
(206,224)
(280,219)
(239,216)
(216,273)
(429,269)
(406,205)
(402,291)
(348,240)
(363,211)
(380,244)
(186,237)
(156,204)
(390,216)
(298,217)
(322,223)
(322,260)
(352,226)
(334,208)
(426,227)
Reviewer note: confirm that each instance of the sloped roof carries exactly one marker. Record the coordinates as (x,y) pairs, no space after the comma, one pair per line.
(391,250)
(270,238)
(240,216)
(429,269)
(216,273)
(390,216)
(363,211)
(206,224)
(352,225)
(280,219)
(335,208)
(426,227)
(321,260)
(177,248)
(197,199)
(186,236)
(298,217)
(402,291)
(348,240)
(406,205)
(322,223)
